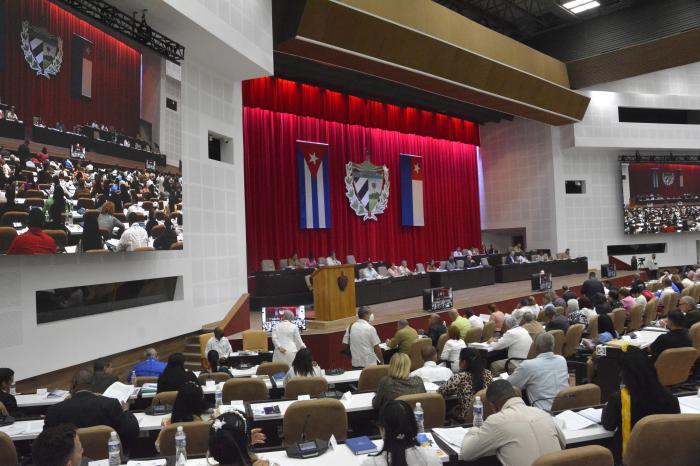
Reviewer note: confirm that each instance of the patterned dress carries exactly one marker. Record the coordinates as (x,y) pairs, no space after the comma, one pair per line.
(460,385)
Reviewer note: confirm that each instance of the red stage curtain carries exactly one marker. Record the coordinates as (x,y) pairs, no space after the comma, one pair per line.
(280,95)
(641,179)
(272,214)
(115,74)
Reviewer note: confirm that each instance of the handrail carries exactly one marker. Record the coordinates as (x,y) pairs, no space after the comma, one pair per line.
(223,323)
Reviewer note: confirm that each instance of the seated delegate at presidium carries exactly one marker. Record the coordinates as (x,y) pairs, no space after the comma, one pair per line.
(303,366)
(34,240)
(287,340)
(453,345)
(332,260)
(399,429)
(519,434)
(543,377)
(431,372)
(472,377)
(57,446)
(398,382)
(369,272)
(362,341)
(219,343)
(151,367)
(87,409)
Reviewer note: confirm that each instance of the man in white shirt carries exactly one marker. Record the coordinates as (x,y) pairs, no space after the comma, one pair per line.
(516,340)
(431,372)
(219,343)
(332,260)
(543,377)
(519,434)
(369,273)
(474,321)
(521,259)
(362,340)
(457,252)
(403,268)
(133,237)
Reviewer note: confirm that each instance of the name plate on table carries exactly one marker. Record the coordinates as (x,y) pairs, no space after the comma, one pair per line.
(437,299)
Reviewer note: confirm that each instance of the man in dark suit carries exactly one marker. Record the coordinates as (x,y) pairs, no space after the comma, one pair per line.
(568,294)
(677,336)
(556,321)
(102,376)
(592,286)
(87,409)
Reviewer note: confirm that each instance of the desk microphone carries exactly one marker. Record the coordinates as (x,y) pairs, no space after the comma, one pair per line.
(303,429)
(306,449)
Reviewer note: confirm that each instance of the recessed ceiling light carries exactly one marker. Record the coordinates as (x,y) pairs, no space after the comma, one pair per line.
(578,6)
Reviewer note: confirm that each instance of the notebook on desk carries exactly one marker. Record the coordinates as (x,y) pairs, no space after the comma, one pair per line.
(361,445)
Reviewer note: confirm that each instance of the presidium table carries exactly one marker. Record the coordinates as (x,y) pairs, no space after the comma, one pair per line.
(518,272)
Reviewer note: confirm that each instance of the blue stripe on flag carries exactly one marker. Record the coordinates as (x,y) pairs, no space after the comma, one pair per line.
(302,190)
(326,192)
(314,199)
(406,191)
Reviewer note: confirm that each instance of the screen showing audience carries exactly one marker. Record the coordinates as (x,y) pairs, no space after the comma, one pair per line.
(84,163)
(661,197)
(271,316)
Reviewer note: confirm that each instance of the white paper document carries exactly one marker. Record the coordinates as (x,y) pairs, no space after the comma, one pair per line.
(119,391)
(593,414)
(574,421)
(452,436)
(162,462)
(690,402)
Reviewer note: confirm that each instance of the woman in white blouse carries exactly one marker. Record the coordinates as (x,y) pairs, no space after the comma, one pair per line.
(453,345)
(303,366)
(286,339)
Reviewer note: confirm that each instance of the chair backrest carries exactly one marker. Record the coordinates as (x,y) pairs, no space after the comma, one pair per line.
(255,340)
(460,264)
(267,265)
(593,328)
(86,203)
(304,261)
(8,454)
(559,310)
(203,340)
(651,310)
(579,396)
(7,236)
(442,339)
(145,379)
(157,230)
(559,340)
(684,292)
(197,433)
(590,455)
(646,445)
(542,317)
(382,270)
(695,335)
(321,261)
(272,368)
(144,249)
(695,293)
(34,193)
(420,268)
(326,417)
(59,236)
(668,302)
(473,335)
(251,389)
(93,213)
(415,352)
(350,259)
(673,365)
(313,386)
(177,246)
(283,264)
(8,218)
(94,440)
(164,398)
(371,375)
(573,340)
(3,410)
(618,318)
(433,405)
(487,332)
(215,376)
(636,317)
(33,201)
(443,264)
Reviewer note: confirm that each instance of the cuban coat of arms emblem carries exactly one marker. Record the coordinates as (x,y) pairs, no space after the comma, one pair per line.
(367,188)
(42,51)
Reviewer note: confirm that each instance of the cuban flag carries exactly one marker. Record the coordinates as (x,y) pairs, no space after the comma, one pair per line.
(314,185)
(412,191)
(81,67)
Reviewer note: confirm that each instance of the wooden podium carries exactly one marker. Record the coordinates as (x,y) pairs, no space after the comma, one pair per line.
(330,302)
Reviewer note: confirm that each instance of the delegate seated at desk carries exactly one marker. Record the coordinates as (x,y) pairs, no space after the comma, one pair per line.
(369,272)
(219,343)
(57,442)
(519,434)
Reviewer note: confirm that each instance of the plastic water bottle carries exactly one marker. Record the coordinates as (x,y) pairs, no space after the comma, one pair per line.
(180,447)
(114,448)
(132,377)
(418,413)
(218,396)
(13,388)
(478,410)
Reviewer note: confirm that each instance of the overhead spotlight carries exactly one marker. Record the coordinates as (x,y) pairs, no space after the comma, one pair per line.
(579,6)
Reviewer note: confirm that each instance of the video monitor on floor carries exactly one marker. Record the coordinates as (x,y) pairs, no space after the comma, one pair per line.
(90,104)
(271,316)
(661,197)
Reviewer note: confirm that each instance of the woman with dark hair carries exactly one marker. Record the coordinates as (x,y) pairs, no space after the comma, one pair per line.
(188,407)
(473,376)
(167,238)
(398,427)
(303,366)
(92,238)
(214,366)
(640,395)
(58,207)
(152,221)
(230,440)
(10,205)
(175,376)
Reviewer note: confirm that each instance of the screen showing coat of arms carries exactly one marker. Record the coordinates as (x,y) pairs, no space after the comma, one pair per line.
(85,166)
(661,197)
